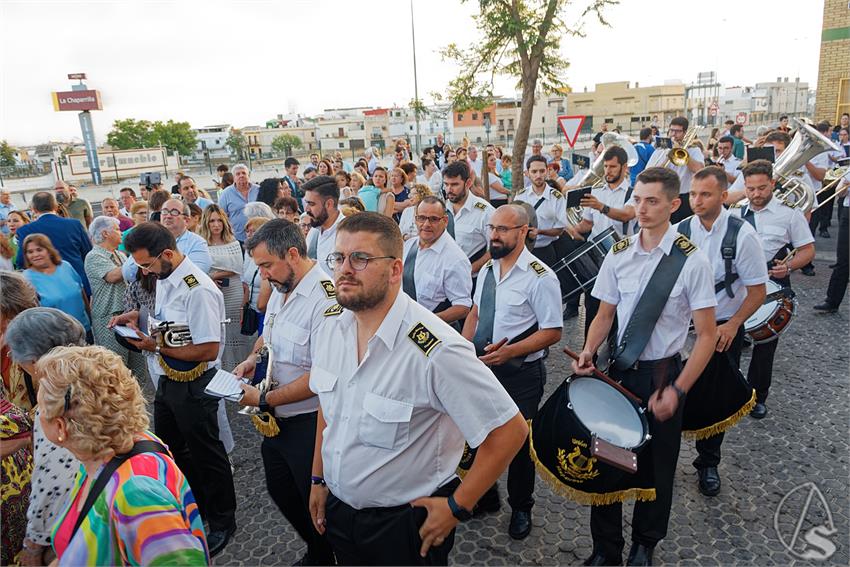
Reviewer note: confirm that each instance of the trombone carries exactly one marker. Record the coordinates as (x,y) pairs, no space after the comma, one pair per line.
(679,155)
(833,175)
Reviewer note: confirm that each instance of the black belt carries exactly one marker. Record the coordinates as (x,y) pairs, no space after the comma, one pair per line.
(443,491)
(477,256)
(650,364)
(296,418)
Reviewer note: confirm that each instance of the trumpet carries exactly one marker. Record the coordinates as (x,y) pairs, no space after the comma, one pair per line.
(833,176)
(679,155)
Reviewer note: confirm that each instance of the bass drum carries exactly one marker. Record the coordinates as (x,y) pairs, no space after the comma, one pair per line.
(774,316)
(582,265)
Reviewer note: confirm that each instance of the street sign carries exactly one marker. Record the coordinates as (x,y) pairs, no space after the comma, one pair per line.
(77,100)
(76,76)
(741,118)
(713,109)
(571,126)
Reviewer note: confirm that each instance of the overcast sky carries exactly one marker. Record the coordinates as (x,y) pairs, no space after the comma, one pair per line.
(243,62)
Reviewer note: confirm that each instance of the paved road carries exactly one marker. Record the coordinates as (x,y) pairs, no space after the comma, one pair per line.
(803,439)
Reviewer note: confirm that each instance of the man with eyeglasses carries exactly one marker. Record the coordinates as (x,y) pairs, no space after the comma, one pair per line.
(471,215)
(696,161)
(175,217)
(436,270)
(515,317)
(185,417)
(128,197)
(189,192)
(321,205)
(399,391)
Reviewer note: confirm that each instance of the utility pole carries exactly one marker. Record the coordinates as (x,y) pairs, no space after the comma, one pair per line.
(415,78)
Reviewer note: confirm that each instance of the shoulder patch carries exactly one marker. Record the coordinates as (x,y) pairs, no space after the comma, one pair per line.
(621,245)
(334,309)
(685,245)
(423,338)
(330,290)
(538,268)
(191,281)
(557,194)
(480,205)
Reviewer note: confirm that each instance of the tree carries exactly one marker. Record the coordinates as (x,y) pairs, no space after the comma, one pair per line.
(131,133)
(7,154)
(285,143)
(237,143)
(521,39)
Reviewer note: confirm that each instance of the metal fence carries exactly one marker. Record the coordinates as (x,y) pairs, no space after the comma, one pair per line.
(34,169)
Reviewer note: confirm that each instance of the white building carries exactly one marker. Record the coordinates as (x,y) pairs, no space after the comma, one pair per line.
(212,139)
(785,97)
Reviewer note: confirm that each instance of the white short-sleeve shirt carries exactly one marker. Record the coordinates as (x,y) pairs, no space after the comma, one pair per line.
(614,198)
(290,323)
(396,422)
(730,164)
(528,293)
(471,222)
(325,242)
(659,156)
(749,262)
(442,272)
(552,212)
(624,276)
(778,225)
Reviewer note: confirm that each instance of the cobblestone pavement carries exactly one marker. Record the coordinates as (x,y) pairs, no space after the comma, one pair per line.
(803,439)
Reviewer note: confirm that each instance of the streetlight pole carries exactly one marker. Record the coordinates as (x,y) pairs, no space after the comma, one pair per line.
(415,78)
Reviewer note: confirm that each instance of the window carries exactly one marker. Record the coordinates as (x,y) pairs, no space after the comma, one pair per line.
(543,120)
(511,123)
(341,146)
(502,124)
(341,132)
(609,121)
(843,103)
(475,116)
(460,117)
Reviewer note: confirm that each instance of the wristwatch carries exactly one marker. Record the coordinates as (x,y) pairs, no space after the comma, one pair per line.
(264,405)
(605,210)
(679,392)
(156,350)
(458,511)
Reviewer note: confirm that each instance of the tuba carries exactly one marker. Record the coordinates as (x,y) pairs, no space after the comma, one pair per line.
(595,176)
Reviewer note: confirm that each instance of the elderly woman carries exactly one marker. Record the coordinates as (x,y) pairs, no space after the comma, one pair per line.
(145,513)
(18,295)
(30,336)
(258,209)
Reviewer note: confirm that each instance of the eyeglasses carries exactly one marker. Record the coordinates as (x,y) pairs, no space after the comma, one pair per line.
(171,212)
(357,260)
(502,229)
(424,219)
(147,267)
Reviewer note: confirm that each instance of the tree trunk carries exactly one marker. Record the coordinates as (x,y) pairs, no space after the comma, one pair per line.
(529,85)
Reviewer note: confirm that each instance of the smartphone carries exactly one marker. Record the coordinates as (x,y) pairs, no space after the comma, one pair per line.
(224,282)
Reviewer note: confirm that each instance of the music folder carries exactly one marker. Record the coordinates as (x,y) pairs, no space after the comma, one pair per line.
(225,385)
(766,152)
(575,196)
(580,161)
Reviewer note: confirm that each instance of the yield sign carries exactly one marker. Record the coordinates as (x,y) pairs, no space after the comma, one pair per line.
(571,126)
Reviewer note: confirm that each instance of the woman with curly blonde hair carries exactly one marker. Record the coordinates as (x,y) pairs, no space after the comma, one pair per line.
(144,513)
(407,224)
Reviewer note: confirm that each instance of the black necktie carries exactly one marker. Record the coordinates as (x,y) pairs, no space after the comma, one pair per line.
(749,216)
(408,280)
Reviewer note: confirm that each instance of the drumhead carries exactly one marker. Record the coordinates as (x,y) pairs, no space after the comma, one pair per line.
(606,412)
(764,313)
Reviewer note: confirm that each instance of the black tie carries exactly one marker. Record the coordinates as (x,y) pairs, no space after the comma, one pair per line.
(749,216)
(408,280)
(486,313)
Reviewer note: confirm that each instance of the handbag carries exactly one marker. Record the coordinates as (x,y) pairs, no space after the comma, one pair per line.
(250,318)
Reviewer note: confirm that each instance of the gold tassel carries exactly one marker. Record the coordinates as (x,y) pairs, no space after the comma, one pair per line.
(266,424)
(721,426)
(579,496)
(184,375)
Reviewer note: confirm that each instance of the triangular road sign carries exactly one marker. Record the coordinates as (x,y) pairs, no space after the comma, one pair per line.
(571,126)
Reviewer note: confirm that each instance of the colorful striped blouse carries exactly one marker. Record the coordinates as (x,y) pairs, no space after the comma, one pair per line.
(146,515)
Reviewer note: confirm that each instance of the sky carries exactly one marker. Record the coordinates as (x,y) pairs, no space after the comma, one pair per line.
(242,62)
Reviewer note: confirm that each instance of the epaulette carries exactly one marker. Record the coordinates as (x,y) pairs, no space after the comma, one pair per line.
(191,281)
(330,290)
(621,245)
(423,338)
(334,309)
(480,205)
(557,194)
(685,245)
(538,268)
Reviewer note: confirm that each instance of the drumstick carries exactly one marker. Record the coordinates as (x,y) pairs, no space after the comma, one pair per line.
(604,377)
(498,345)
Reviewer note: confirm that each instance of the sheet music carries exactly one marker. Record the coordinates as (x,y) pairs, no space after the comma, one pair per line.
(225,385)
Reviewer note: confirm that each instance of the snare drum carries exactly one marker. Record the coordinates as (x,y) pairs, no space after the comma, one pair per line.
(774,316)
(584,263)
(563,433)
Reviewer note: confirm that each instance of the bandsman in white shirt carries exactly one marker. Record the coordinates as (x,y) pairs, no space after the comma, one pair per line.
(838,280)
(550,207)
(656,265)
(740,273)
(302,294)
(185,417)
(727,159)
(676,131)
(780,228)
(609,206)
(321,205)
(514,319)
(471,214)
(816,169)
(399,391)
(436,271)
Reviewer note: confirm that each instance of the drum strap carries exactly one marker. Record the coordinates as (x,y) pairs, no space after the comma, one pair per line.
(408,281)
(477,255)
(728,251)
(539,202)
(626,200)
(649,307)
(749,215)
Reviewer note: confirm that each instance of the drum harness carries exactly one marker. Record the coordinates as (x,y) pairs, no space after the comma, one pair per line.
(728,251)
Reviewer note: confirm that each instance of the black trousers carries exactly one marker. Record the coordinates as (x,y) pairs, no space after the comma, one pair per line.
(708,450)
(838,280)
(526,389)
(650,519)
(822,217)
(185,418)
(760,372)
(683,211)
(383,536)
(288,462)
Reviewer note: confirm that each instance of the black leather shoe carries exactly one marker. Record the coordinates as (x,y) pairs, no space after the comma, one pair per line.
(825,307)
(599,559)
(709,481)
(520,524)
(824,233)
(808,270)
(640,555)
(217,540)
(759,411)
